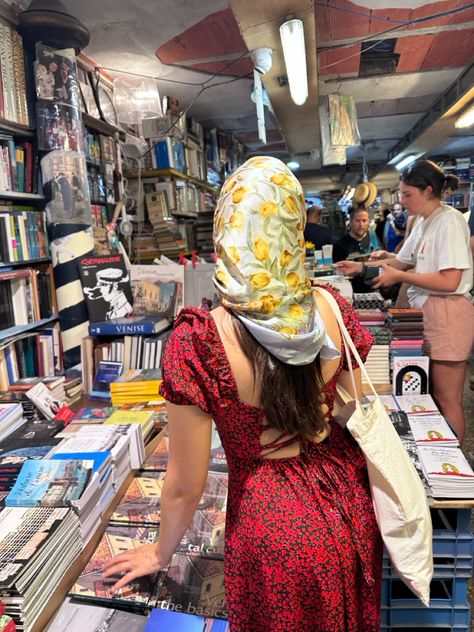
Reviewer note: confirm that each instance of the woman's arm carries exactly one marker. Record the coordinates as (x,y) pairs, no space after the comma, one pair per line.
(354,268)
(186,475)
(442,281)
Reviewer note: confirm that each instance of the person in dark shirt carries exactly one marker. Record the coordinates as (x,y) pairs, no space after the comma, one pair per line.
(357,241)
(314,232)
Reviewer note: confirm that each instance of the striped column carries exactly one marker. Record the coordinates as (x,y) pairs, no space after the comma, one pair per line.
(70,242)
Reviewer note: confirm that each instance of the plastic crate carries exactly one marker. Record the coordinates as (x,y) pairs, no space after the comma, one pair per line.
(457,618)
(446,592)
(444,566)
(451,521)
(445,545)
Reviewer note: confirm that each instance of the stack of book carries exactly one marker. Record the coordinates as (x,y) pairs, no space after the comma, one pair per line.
(38,547)
(369,300)
(447,471)
(30,412)
(141,385)
(417,404)
(378,364)
(406,327)
(60,482)
(141,424)
(371,317)
(72,390)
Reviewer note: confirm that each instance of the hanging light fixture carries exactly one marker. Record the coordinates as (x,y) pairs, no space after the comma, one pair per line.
(292,41)
(466,119)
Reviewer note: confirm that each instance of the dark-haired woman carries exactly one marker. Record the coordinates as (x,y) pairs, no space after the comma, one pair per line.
(438,249)
(303,551)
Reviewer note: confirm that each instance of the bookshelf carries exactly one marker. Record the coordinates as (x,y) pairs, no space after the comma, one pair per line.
(171,173)
(20,196)
(29,262)
(21,329)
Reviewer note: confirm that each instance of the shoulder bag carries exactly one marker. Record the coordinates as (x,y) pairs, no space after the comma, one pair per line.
(399,498)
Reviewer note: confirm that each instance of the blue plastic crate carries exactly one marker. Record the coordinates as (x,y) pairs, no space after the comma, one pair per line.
(446,592)
(451,521)
(457,618)
(444,566)
(454,545)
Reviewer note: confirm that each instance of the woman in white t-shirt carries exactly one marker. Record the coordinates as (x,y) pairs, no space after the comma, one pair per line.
(438,249)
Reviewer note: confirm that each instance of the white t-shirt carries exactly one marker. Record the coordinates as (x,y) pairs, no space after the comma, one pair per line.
(437,243)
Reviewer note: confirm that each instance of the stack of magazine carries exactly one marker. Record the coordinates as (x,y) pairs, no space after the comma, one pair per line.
(37,547)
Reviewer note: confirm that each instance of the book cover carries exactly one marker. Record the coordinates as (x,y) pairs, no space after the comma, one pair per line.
(82,617)
(432,430)
(193,585)
(170,621)
(410,375)
(148,279)
(45,400)
(49,483)
(141,502)
(93,414)
(93,587)
(107,372)
(158,459)
(417,404)
(106,286)
(129,325)
(142,417)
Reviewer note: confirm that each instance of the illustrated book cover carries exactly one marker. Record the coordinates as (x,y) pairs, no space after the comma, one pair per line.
(106,286)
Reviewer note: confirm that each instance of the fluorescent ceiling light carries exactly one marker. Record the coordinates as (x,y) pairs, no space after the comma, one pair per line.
(404,162)
(293,165)
(466,119)
(292,41)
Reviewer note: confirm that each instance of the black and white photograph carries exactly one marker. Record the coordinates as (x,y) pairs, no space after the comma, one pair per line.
(56,76)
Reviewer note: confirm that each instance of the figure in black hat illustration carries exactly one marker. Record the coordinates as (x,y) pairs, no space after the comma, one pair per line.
(108,287)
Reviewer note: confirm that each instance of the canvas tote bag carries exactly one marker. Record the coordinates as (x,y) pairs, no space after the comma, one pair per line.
(399,498)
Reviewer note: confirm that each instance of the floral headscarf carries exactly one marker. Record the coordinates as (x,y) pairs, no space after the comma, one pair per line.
(260,275)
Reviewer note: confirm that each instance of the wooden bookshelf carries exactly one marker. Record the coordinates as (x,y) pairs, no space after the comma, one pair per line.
(20,329)
(69,579)
(28,262)
(171,173)
(16,129)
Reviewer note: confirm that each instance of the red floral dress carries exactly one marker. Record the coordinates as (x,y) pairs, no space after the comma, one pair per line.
(303,552)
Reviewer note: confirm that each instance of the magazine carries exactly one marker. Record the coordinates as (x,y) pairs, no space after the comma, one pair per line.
(106,286)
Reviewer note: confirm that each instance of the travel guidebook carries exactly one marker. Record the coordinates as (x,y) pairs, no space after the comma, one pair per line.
(130,325)
(106,286)
(158,289)
(141,502)
(49,483)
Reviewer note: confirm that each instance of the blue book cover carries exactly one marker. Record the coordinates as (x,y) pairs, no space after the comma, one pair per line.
(129,325)
(48,483)
(107,372)
(170,621)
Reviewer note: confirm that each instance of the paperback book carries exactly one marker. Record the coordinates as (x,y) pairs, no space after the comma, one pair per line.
(82,617)
(432,430)
(417,404)
(447,472)
(141,502)
(170,621)
(130,325)
(107,372)
(155,292)
(410,375)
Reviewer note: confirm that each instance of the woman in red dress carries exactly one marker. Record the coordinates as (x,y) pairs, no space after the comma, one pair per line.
(303,552)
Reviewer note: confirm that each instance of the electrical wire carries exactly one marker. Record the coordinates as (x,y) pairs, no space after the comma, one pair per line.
(361,13)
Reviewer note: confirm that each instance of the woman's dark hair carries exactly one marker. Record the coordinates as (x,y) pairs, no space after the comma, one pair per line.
(290,394)
(424,173)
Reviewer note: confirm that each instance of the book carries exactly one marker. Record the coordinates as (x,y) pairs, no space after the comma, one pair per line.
(49,483)
(154,294)
(94,588)
(410,375)
(129,325)
(45,400)
(93,414)
(107,372)
(447,471)
(82,617)
(193,585)
(170,621)
(432,430)
(417,404)
(141,502)
(106,286)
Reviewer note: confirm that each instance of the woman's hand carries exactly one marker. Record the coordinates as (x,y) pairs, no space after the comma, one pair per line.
(389,276)
(135,563)
(349,268)
(379,254)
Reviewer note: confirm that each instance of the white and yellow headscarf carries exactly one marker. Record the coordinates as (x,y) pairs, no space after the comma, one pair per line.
(260,275)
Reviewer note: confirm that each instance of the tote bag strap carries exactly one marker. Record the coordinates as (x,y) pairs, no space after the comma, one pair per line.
(349,346)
